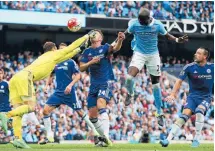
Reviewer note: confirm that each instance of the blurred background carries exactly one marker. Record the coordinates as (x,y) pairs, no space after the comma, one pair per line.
(25,26)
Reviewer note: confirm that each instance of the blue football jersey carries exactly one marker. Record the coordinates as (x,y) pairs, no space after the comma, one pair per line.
(4,97)
(64,72)
(200,78)
(146,37)
(100,72)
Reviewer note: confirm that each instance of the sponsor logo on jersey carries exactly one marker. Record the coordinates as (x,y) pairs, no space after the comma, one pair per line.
(100,51)
(208,70)
(195,71)
(63,67)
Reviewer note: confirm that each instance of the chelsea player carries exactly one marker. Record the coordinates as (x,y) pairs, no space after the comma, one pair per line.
(67,74)
(200,75)
(4,96)
(95,58)
(145,30)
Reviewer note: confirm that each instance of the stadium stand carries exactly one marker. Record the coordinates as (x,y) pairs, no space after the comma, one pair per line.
(202,11)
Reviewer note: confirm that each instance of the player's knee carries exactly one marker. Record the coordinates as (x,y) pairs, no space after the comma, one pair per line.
(182,120)
(200,111)
(133,71)
(46,112)
(101,103)
(94,120)
(155,79)
(93,113)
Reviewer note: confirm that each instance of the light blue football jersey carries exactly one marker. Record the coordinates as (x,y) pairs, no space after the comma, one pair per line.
(146,37)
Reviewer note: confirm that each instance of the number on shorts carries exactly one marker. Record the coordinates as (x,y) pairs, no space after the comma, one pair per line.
(102,92)
(158,70)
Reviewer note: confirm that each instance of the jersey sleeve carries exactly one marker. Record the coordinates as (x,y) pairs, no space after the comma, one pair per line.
(106,48)
(74,67)
(131,26)
(183,74)
(84,57)
(162,30)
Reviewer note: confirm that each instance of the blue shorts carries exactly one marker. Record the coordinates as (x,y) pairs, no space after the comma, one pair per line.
(193,102)
(56,99)
(98,91)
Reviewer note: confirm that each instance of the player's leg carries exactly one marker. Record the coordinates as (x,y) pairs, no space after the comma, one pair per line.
(136,65)
(153,67)
(93,114)
(189,108)
(53,102)
(103,99)
(75,104)
(200,112)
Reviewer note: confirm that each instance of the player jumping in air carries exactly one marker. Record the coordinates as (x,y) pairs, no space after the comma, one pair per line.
(96,59)
(200,75)
(22,93)
(67,74)
(145,30)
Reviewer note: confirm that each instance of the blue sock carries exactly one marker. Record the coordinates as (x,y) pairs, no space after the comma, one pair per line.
(130,84)
(158,97)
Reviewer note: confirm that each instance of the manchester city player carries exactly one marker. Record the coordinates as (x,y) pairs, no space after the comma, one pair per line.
(200,75)
(145,30)
(95,58)
(67,74)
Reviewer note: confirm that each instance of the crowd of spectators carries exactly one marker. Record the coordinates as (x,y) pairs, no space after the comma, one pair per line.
(165,10)
(134,123)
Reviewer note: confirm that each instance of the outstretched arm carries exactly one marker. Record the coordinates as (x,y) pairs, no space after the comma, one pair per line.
(178,40)
(117,44)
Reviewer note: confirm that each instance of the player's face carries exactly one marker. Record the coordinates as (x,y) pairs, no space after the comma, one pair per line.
(199,56)
(61,47)
(1,75)
(98,38)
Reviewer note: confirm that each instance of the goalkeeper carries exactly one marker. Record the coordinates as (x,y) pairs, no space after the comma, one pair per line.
(22,92)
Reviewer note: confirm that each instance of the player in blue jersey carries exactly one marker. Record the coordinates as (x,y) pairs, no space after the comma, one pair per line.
(145,45)
(200,75)
(4,98)
(67,74)
(95,58)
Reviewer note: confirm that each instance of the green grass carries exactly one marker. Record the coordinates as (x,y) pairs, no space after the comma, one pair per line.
(115,147)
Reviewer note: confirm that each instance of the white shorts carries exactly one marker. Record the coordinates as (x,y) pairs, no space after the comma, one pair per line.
(152,63)
(30,118)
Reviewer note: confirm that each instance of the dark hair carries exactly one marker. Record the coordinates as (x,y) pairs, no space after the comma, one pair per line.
(48,46)
(62,44)
(206,51)
(99,32)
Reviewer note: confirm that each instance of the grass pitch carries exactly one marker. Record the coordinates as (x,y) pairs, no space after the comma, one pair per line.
(115,147)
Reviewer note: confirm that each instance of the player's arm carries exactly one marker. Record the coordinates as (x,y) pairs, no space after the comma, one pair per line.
(181,78)
(116,45)
(48,82)
(70,50)
(76,78)
(84,65)
(178,40)
(163,31)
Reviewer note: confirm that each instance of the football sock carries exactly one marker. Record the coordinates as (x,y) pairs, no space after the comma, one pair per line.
(158,97)
(17,127)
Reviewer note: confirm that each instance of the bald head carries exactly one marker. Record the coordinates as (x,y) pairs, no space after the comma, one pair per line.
(144,16)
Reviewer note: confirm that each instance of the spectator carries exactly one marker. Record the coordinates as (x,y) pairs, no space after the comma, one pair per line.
(78,136)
